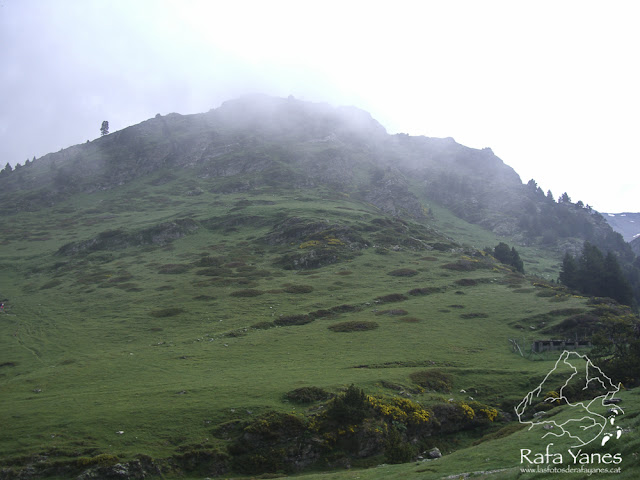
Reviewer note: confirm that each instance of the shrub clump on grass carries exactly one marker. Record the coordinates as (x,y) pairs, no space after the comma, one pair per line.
(166,312)
(353,326)
(474,315)
(288,320)
(249,292)
(208,261)
(466,282)
(344,308)
(425,291)
(392,297)
(322,313)
(403,272)
(174,269)
(298,289)
(393,311)
(433,380)
(204,298)
(307,395)
(410,319)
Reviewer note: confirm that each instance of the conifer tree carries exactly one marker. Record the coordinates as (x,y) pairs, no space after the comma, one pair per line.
(569,271)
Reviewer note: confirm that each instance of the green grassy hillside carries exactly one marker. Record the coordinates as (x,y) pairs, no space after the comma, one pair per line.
(157,320)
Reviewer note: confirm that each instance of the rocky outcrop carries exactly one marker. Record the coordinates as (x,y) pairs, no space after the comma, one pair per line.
(160,234)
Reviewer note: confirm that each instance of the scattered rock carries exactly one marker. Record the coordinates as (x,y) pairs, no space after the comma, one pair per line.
(434,453)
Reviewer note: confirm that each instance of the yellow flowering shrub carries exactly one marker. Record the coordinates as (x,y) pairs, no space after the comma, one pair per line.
(334,241)
(489,412)
(310,244)
(468,411)
(400,410)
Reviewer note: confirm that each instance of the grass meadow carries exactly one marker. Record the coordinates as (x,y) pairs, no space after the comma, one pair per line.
(148,348)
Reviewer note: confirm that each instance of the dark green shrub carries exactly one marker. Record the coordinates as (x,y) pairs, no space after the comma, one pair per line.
(204,298)
(474,315)
(249,292)
(396,451)
(392,297)
(403,272)
(307,395)
(289,320)
(173,269)
(425,291)
(322,313)
(298,289)
(466,282)
(393,311)
(351,407)
(344,308)
(353,326)
(433,380)
(208,261)
(166,312)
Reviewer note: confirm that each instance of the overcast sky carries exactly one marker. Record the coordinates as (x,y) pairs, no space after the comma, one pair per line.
(551,86)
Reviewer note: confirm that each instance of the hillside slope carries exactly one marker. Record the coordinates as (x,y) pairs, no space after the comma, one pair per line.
(257,140)
(195,295)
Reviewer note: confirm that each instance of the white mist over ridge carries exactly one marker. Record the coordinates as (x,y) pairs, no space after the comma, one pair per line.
(559,108)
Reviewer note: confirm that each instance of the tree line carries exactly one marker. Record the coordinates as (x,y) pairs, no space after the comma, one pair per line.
(595,274)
